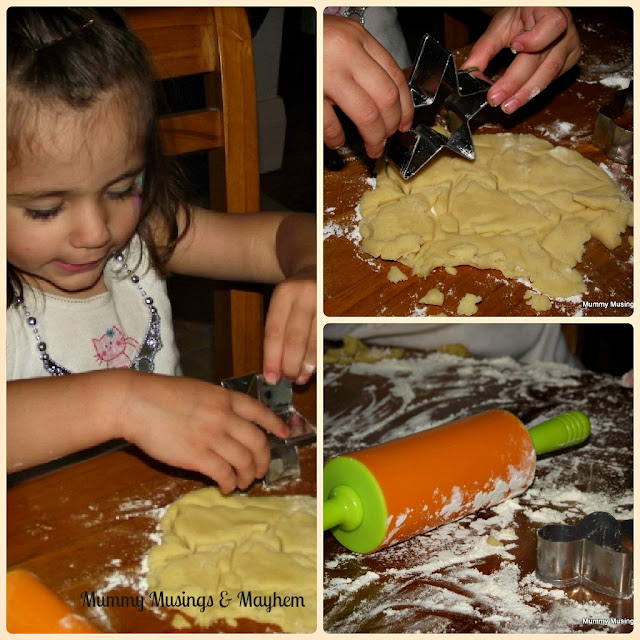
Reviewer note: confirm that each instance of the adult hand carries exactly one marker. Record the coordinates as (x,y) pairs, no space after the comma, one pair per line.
(546,41)
(361,77)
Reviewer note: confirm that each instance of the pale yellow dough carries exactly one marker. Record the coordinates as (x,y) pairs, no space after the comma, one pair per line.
(433,296)
(468,305)
(522,206)
(261,547)
(537,301)
(395,275)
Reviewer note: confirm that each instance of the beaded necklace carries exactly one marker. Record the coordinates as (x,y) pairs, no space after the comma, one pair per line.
(144,360)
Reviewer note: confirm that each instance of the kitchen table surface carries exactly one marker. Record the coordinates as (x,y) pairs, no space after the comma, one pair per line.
(477,574)
(356,284)
(88,527)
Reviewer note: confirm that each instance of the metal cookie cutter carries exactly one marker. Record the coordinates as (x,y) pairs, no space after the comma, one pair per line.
(285,464)
(434,70)
(609,133)
(596,552)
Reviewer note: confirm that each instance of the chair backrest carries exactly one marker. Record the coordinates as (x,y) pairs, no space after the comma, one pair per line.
(215,42)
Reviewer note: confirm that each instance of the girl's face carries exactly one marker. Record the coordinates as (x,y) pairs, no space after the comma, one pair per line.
(73,197)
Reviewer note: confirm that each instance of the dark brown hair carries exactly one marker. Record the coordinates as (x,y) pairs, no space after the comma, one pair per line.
(73,56)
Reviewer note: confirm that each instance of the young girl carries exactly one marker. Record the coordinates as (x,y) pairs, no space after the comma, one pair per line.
(94,220)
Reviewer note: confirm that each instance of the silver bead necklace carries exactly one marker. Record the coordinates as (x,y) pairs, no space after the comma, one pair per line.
(152,343)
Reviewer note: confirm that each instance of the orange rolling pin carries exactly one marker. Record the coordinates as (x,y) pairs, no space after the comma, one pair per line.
(33,608)
(385,494)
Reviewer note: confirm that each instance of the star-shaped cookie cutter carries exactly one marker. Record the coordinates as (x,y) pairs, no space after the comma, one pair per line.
(285,463)
(596,552)
(434,71)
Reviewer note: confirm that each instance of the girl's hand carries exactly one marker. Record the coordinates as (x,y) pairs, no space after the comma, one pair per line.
(290,329)
(547,43)
(362,78)
(200,426)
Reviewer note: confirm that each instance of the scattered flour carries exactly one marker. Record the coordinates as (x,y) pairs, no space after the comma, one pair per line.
(419,584)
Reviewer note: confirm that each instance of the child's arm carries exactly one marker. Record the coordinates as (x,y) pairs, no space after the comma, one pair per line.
(263,247)
(183,422)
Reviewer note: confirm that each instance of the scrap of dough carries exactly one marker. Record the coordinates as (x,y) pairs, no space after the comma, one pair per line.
(454,349)
(630,240)
(522,206)
(452,271)
(395,275)
(537,301)
(468,305)
(433,296)
(354,350)
(261,547)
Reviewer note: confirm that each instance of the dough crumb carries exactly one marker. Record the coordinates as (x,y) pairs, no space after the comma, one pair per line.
(395,275)
(433,296)
(630,240)
(354,350)
(180,622)
(452,271)
(494,542)
(508,533)
(454,349)
(537,301)
(468,305)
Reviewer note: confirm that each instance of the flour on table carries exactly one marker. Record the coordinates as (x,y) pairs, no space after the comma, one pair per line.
(419,584)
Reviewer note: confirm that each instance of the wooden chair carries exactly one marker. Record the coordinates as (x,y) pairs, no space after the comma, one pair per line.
(215,42)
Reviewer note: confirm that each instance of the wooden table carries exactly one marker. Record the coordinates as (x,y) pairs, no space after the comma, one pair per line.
(355,284)
(88,527)
(451,579)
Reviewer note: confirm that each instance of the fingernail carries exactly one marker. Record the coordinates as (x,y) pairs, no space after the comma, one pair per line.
(303,378)
(497,98)
(510,106)
(270,377)
(516,47)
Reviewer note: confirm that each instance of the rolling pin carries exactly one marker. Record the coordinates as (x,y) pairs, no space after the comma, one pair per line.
(381,495)
(33,608)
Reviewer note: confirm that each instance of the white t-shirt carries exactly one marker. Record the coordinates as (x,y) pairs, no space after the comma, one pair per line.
(115,329)
(524,342)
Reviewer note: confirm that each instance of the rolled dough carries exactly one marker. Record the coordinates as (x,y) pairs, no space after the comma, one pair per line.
(244,557)
(522,206)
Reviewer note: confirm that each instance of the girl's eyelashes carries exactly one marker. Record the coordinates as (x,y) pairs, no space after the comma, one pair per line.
(131,190)
(134,189)
(44,214)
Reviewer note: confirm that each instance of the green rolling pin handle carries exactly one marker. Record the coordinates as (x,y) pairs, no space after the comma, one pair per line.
(343,508)
(561,432)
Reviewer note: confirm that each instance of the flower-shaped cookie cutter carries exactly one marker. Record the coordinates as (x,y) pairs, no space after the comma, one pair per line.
(285,463)
(434,72)
(596,552)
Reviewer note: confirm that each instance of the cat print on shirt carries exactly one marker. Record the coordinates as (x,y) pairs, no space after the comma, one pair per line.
(115,350)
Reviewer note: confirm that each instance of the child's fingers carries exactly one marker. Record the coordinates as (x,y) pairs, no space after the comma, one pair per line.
(254,411)
(362,110)
(216,467)
(254,441)
(296,341)
(241,458)
(274,330)
(333,133)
